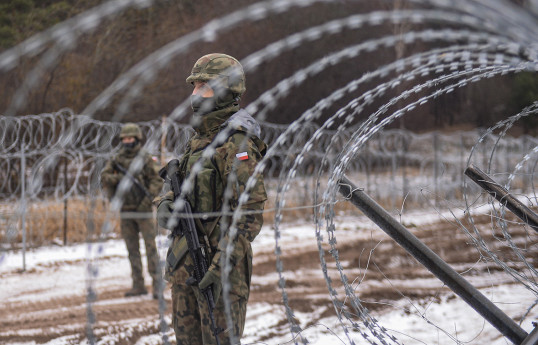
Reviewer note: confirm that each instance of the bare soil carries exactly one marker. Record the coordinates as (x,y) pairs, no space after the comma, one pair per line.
(380,271)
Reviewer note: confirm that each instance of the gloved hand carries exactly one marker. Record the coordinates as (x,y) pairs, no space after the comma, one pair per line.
(211,278)
(164,212)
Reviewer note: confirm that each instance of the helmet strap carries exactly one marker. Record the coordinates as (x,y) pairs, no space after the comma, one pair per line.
(224,97)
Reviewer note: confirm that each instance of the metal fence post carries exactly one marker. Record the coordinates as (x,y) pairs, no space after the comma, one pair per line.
(532,339)
(23,204)
(503,196)
(65,200)
(436,163)
(432,262)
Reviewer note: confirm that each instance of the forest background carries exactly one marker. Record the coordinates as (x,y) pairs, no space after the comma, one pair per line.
(116,45)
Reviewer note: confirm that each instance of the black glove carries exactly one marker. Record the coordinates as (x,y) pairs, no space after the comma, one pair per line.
(211,278)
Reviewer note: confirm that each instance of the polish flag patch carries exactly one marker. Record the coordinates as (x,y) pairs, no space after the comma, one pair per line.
(243,156)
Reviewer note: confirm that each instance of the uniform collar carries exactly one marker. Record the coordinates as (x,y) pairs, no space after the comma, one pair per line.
(212,121)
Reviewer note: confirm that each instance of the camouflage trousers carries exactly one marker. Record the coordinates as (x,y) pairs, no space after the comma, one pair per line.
(190,317)
(130,229)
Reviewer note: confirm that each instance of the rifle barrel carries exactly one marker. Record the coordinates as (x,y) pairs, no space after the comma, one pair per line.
(188,229)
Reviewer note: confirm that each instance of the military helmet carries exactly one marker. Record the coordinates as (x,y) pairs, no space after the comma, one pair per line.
(225,69)
(131,130)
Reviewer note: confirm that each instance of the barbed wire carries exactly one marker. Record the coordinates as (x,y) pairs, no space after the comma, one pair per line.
(62,149)
(57,157)
(383,145)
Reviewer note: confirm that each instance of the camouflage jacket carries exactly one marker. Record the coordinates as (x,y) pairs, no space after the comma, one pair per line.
(230,166)
(134,199)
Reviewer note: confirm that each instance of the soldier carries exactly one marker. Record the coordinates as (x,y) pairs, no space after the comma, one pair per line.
(136,209)
(218,81)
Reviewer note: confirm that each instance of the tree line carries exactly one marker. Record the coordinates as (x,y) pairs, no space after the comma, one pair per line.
(116,45)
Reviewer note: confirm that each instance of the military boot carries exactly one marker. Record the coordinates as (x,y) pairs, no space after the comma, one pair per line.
(136,291)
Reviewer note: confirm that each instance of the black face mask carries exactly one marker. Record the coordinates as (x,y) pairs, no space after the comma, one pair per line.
(130,146)
(202,105)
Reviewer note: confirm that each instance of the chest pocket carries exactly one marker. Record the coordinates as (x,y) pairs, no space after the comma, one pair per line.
(206,196)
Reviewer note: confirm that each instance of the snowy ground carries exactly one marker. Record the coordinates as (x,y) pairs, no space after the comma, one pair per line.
(47,304)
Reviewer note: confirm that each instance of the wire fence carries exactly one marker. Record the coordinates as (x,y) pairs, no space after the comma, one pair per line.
(50,192)
(59,154)
(53,163)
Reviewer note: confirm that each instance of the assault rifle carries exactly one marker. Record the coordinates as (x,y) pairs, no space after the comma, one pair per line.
(133,179)
(186,227)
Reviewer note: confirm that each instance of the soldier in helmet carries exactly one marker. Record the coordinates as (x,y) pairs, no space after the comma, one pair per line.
(136,210)
(218,82)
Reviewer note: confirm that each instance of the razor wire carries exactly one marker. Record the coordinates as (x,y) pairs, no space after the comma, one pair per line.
(355,145)
(498,210)
(367,129)
(384,149)
(61,151)
(58,156)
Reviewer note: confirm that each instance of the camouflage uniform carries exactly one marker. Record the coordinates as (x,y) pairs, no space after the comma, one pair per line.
(135,200)
(190,311)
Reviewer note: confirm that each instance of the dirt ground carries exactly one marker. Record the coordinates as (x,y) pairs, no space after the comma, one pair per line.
(380,271)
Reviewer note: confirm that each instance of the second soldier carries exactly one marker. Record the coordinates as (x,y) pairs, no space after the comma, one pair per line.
(136,211)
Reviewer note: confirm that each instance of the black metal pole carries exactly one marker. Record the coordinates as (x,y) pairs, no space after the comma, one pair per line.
(503,196)
(432,262)
(532,339)
(65,201)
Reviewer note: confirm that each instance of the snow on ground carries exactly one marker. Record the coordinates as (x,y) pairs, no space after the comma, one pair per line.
(447,321)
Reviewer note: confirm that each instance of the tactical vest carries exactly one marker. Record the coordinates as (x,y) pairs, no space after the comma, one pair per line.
(134,199)
(206,196)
